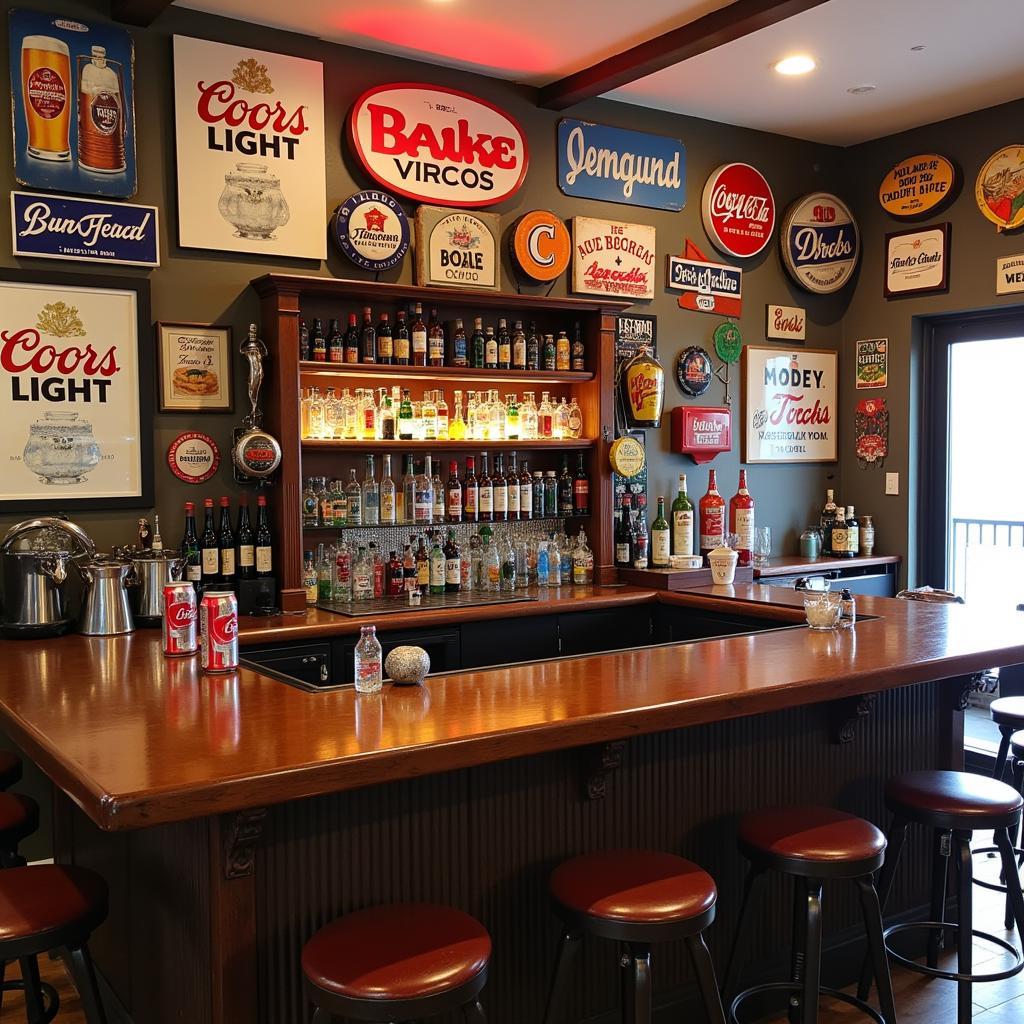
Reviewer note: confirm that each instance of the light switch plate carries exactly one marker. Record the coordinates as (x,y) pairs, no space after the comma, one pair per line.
(892,483)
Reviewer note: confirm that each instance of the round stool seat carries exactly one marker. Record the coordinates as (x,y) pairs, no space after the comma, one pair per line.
(397,952)
(1017,745)
(814,842)
(634,894)
(10,769)
(1008,711)
(953,800)
(19,818)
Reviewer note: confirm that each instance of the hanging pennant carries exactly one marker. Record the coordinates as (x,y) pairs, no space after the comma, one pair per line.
(871,430)
(707,287)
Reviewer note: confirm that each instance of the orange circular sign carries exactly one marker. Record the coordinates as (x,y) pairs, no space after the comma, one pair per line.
(917,184)
(540,245)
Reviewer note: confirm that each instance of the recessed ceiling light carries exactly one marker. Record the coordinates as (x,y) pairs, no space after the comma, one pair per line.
(798,64)
(860,90)
(917,49)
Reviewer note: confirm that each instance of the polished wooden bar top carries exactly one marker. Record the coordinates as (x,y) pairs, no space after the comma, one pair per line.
(794,565)
(136,738)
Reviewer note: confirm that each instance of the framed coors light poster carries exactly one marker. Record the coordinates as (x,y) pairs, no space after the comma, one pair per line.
(249,131)
(75,392)
(790,404)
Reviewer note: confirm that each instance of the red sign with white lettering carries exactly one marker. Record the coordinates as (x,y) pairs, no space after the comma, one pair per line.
(701,431)
(738,210)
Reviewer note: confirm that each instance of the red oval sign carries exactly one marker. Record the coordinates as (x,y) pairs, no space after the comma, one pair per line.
(738,210)
(438,145)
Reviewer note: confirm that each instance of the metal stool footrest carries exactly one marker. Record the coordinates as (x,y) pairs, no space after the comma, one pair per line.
(794,986)
(51,1001)
(935,972)
(994,886)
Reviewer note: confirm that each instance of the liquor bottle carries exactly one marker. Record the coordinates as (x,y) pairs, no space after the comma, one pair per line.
(387,419)
(408,500)
(437,568)
(376,569)
(840,535)
(422,566)
(582,562)
(158,541)
(437,489)
(319,342)
(395,578)
(335,343)
(518,347)
(409,566)
(457,426)
(209,548)
(499,486)
(369,337)
(741,520)
(191,553)
(263,543)
(454,493)
(550,494)
(624,535)
(641,538)
(388,505)
(578,356)
(401,340)
(428,416)
(310,506)
(711,509)
(405,417)
(660,539)
(443,425)
(338,502)
(423,507)
(533,348)
(580,489)
(435,340)
(352,340)
(452,564)
(460,346)
(419,337)
(385,341)
(490,349)
(354,497)
(512,481)
(826,521)
(477,345)
(369,674)
(362,576)
(562,351)
(512,417)
(305,342)
(682,521)
(852,533)
(470,492)
(549,352)
(310,579)
(100,115)
(226,543)
(566,500)
(504,346)
(485,495)
(525,492)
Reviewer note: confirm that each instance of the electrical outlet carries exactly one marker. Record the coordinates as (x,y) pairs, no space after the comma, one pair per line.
(892,483)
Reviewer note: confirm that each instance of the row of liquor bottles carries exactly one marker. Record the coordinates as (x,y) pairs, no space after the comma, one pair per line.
(421,497)
(411,341)
(842,532)
(390,414)
(506,559)
(223,553)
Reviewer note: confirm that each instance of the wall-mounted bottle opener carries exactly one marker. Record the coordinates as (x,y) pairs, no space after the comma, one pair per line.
(255,454)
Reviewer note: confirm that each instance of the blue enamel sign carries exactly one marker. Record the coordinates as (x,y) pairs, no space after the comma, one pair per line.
(371,229)
(88,230)
(597,161)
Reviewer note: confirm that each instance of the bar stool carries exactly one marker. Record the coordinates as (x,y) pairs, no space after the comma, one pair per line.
(19,818)
(814,845)
(51,907)
(953,805)
(10,769)
(397,962)
(1008,715)
(636,898)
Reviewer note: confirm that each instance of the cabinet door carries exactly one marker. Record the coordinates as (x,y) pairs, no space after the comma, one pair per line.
(442,647)
(308,663)
(880,585)
(589,632)
(676,625)
(513,639)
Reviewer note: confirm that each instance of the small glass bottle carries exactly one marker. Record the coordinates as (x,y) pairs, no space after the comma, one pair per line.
(309,578)
(847,610)
(457,426)
(354,497)
(371,495)
(369,673)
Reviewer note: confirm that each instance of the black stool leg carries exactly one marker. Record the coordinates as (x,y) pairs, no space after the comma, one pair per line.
(568,947)
(473,1013)
(876,946)
(1013,889)
(80,965)
(641,969)
(940,880)
(895,840)
(732,968)
(33,991)
(965,918)
(705,971)
(1014,833)
(798,946)
(1005,732)
(321,1016)
(628,981)
(812,962)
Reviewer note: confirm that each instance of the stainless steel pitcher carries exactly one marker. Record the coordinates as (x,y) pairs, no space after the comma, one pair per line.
(153,570)
(105,607)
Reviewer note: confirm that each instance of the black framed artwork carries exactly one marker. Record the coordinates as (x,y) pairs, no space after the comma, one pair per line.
(76,392)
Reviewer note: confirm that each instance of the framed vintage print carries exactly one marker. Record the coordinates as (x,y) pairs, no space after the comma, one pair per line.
(75,392)
(195,367)
(917,261)
(790,404)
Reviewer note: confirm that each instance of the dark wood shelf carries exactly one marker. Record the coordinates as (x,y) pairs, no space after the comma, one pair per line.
(310,367)
(431,526)
(369,447)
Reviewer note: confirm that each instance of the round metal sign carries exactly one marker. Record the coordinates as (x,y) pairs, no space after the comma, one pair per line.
(193,457)
(728,342)
(738,209)
(627,456)
(820,243)
(917,185)
(371,229)
(540,245)
(999,191)
(694,371)
(257,454)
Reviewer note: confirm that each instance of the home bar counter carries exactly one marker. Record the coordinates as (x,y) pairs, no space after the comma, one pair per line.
(234,815)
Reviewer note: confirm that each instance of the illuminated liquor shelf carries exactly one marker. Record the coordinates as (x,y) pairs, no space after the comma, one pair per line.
(361,371)
(429,447)
(444,525)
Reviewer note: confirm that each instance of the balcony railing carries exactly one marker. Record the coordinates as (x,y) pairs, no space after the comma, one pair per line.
(986,561)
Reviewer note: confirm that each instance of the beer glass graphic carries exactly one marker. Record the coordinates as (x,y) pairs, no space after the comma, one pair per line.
(100,113)
(46,89)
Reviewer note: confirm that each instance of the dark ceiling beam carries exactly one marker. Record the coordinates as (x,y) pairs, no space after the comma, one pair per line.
(738,19)
(138,12)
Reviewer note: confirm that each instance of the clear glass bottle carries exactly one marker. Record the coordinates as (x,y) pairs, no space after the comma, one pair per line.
(442,416)
(388,506)
(528,417)
(362,576)
(316,414)
(347,406)
(457,426)
(428,416)
(511,418)
(582,562)
(575,416)
(310,509)
(554,562)
(369,668)
(343,572)
(354,496)
(423,503)
(324,575)
(371,495)
(518,347)
(437,489)
(471,429)
(560,420)
(408,491)
(483,419)
(305,399)
(543,564)
(508,564)
(491,559)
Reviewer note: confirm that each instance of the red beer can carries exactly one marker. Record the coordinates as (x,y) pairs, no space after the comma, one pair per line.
(218,627)
(179,620)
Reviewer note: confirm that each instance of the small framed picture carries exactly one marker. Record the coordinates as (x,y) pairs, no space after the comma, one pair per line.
(917,261)
(195,367)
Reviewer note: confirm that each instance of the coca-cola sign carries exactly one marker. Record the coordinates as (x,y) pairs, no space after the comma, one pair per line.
(224,628)
(181,614)
(438,145)
(738,210)
(820,243)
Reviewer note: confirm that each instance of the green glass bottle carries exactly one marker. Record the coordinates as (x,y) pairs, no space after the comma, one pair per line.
(660,538)
(682,521)
(477,345)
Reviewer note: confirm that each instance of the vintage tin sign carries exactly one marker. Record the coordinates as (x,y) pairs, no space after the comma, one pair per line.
(626,456)
(820,243)
(643,384)
(999,190)
(707,287)
(87,230)
(738,210)
(613,258)
(786,322)
(917,185)
(728,342)
(540,245)
(701,431)
(872,366)
(917,261)
(457,249)
(871,431)
(597,161)
(694,371)
(193,457)
(438,145)
(1009,275)
(371,229)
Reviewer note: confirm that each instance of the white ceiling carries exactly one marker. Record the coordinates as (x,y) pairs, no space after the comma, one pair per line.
(971,59)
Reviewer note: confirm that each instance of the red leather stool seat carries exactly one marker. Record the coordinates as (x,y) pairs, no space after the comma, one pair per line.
(400,951)
(954,800)
(10,769)
(53,903)
(19,818)
(1008,711)
(633,886)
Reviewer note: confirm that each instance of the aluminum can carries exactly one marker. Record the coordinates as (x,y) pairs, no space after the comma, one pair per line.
(218,631)
(179,620)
